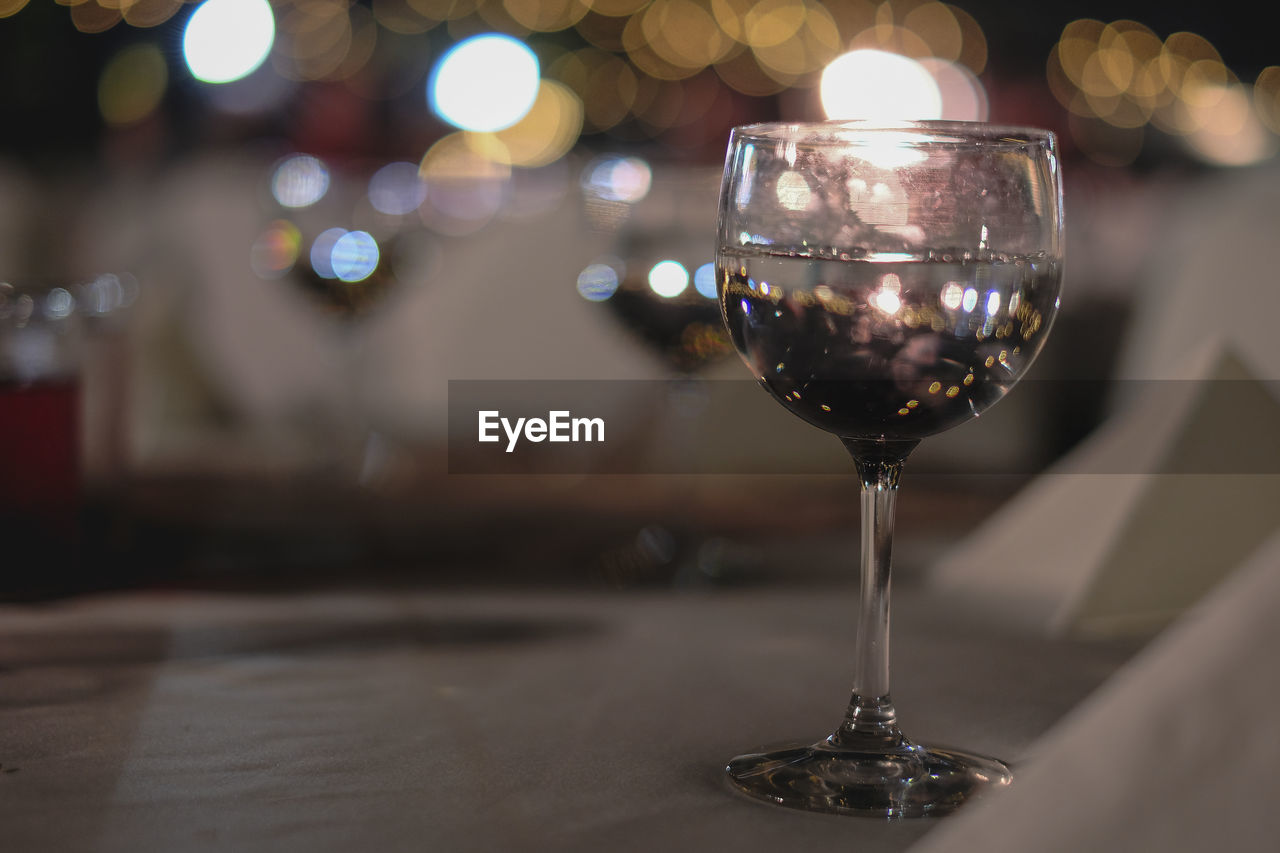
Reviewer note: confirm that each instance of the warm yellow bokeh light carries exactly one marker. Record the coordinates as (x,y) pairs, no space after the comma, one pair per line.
(1117,78)
(546,16)
(1227,131)
(1266,97)
(445,10)
(132,84)
(149,13)
(617,8)
(973,50)
(684,33)
(401,16)
(815,44)
(89,17)
(11,7)
(313,39)
(743,73)
(936,23)
(770,22)
(466,187)
(606,84)
(645,57)
(465,156)
(546,133)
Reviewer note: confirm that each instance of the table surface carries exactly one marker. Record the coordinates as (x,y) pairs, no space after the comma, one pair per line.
(477,720)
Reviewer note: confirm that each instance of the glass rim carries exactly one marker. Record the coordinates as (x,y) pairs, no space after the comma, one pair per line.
(903,133)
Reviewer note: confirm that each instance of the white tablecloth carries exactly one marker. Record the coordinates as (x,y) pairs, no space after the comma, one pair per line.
(460,721)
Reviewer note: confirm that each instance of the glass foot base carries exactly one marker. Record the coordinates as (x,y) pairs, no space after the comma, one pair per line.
(910,781)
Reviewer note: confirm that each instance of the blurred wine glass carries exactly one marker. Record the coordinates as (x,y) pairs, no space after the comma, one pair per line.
(658,283)
(335,241)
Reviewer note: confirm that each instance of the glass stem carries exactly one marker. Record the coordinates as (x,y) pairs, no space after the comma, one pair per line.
(870,723)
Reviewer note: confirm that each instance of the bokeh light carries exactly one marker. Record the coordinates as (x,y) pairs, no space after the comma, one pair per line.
(615,178)
(951,295)
(545,16)
(546,132)
(875,84)
(704,280)
(597,282)
(299,180)
(1266,97)
(275,251)
(149,13)
(964,98)
(467,179)
(107,293)
(132,84)
(485,83)
(322,252)
(397,189)
(11,7)
(793,191)
(322,39)
(227,39)
(354,256)
(606,84)
(1229,131)
(58,304)
(1118,78)
(668,278)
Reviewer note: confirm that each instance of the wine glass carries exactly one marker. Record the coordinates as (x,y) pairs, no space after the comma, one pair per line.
(885,283)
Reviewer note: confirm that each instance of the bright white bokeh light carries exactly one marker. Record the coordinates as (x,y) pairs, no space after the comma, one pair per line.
(322,252)
(704,280)
(300,180)
(993,303)
(354,256)
(597,282)
(970,299)
(951,295)
(485,83)
(874,84)
(59,304)
(227,39)
(887,301)
(887,298)
(397,189)
(668,278)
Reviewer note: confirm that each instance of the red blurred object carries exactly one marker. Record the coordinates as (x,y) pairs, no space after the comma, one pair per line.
(40,452)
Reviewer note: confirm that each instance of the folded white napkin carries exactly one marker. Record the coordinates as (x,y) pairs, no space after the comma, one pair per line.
(1177,752)
(1140,520)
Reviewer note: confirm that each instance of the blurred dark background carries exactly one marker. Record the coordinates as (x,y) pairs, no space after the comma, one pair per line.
(273,278)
